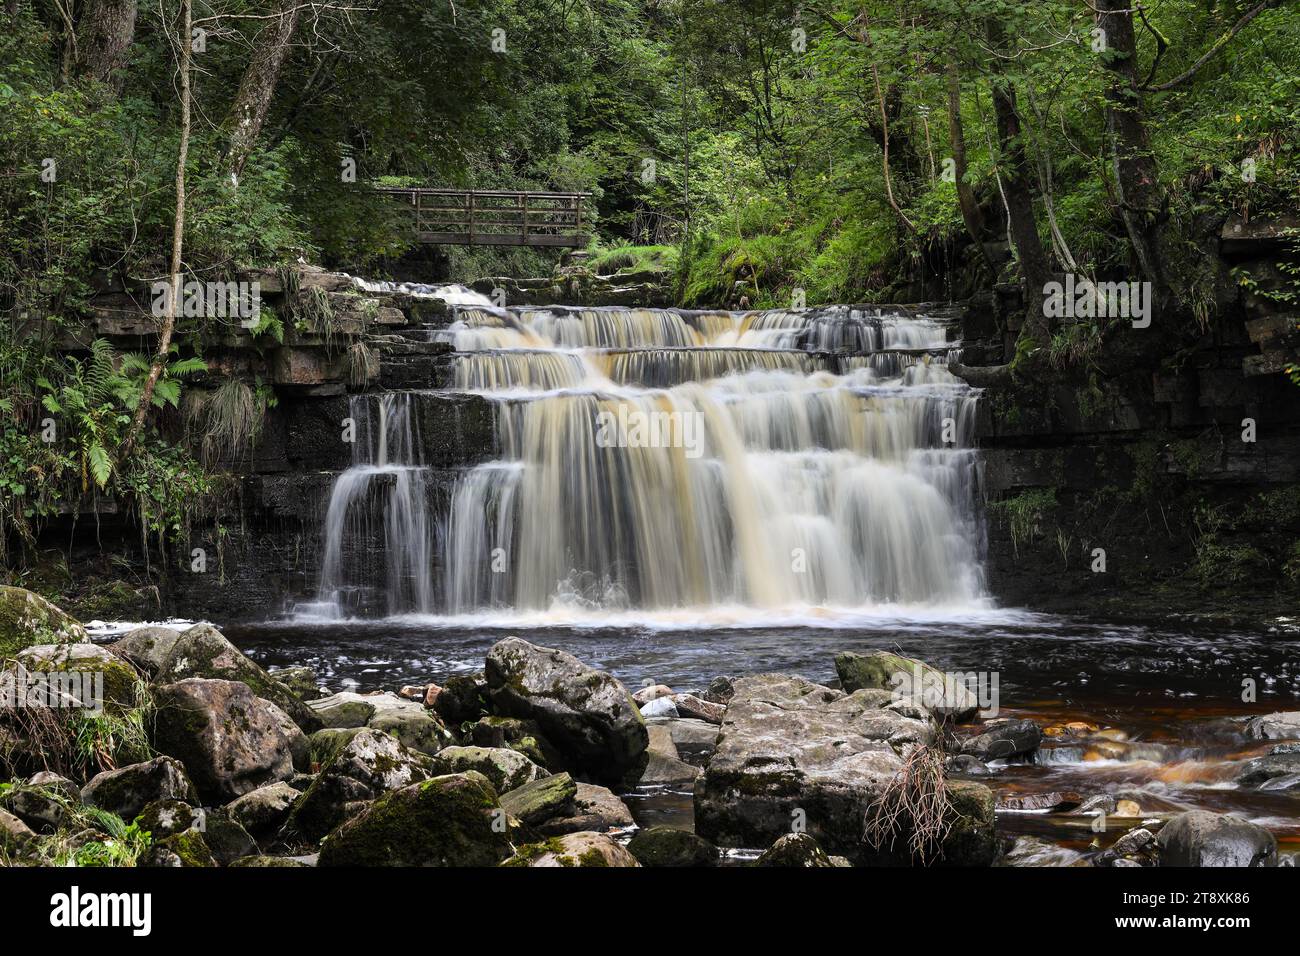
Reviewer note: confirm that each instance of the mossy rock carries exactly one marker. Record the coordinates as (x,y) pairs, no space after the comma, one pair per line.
(122,689)
(127,791)
(669,846)
(507,769)
(326,744)
(164,818)
(972,838)
(542,799)
(583,849)
(188,849)
(27,618)
(795,850)
(452,820)
(203,651)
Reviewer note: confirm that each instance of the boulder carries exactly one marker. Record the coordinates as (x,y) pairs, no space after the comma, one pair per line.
(370,765)
(541,800)
(1202,838)
(299,679)
(110,683)
(326,744)
(164,818)
(968,764)
(1280,726)
(187,849)
(451,820)
(789,747)
(695,740)
(594,808)
(669,846)
(128,790)
(573,849)
(27,618)
(971,839)
(227,839)
(691,706)
(659,707)
(506,769)
(1056,800)
(795,849)
(203,651)
(16,837)
(409,722)
(230,741)
(719,691)
(907,677)
(587,714)
(463,699)
(522,735)
(344,709)
(1004,740)
(43,800)
(147,647)
(264,810)
(1275,771)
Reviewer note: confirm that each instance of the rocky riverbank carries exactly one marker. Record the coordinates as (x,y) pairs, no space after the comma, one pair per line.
(191,754)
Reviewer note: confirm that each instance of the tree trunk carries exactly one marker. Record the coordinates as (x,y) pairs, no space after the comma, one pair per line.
(1013,171)
(257,88)
(1141,200)
(104,38)
(183,44)
(971,213)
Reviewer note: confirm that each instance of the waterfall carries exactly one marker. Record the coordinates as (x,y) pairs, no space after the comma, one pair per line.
(379,544)
(656,459)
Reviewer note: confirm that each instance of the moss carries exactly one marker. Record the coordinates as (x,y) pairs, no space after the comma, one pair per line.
(27,618)
(190,847)
(444,821)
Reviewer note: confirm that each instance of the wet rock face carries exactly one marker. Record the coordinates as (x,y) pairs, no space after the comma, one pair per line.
(230,741)
(668,846)
(587,714)
(790,747)
(1202,838)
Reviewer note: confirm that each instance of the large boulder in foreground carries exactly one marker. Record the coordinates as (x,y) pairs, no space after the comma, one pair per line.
(789,747)
(587,714)
(452,820)
(368,766)
(128,790)
(1202,838)
(27,618)
(229,740)
(203,651)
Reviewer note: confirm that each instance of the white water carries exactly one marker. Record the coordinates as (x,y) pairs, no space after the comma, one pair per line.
(813,466)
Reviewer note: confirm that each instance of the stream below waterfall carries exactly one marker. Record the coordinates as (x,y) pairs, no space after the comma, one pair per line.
(682,495)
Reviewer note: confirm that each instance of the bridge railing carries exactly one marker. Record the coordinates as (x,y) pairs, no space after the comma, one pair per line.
(495,217)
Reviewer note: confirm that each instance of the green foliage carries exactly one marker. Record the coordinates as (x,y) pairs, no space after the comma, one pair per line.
(1025,513)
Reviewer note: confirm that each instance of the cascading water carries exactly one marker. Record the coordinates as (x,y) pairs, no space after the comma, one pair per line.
(656,459)
(378,537)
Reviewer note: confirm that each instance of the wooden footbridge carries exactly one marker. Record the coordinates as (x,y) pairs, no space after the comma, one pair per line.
(495,217)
